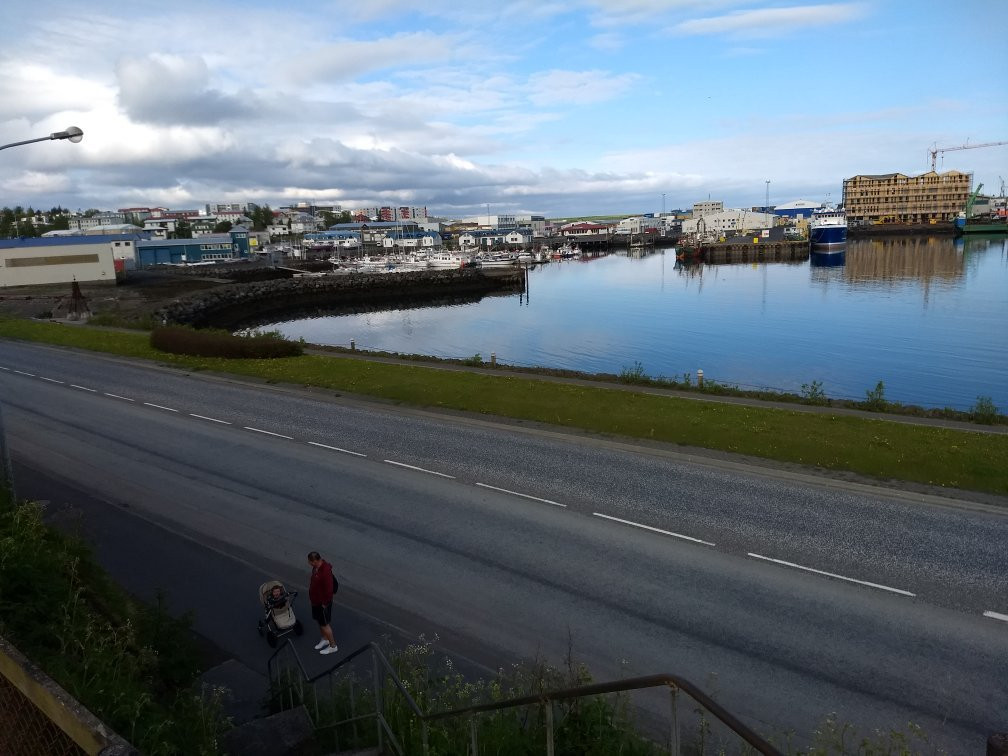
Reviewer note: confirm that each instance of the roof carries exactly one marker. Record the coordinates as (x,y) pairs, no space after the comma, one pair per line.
(64,241)
(206,239)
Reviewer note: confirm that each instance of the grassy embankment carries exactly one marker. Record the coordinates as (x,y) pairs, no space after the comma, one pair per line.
(876,448)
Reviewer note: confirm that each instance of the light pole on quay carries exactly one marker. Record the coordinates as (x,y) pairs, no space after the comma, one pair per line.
(73,134)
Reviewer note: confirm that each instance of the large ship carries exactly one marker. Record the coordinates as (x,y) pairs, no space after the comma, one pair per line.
(828,227)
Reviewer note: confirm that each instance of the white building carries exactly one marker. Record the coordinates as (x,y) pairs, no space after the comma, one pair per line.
(728,223)
(701,209)
(63,259)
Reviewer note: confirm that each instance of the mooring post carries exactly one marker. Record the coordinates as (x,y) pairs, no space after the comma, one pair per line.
(353,345)
(699,378)
(493,359)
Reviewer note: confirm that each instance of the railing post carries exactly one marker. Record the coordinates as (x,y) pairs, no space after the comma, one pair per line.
(674,731)
(549,728)
(425,736)
(353,707)
(379,708)
(473,746)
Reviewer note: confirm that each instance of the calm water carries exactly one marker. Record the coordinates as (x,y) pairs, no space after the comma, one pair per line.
(927,316)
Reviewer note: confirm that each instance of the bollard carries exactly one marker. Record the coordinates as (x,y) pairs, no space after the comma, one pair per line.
(493,359)
(353,345)
(699,378)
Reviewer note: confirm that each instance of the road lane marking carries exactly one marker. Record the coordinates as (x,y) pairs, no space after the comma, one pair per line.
(524,496)
(997,616)
(654,530)
(211,419)
(419,469)
(158,406)
(22,372)
(83,388)
(834,575)
(268,433)
(116,396)
(4,368)
(336,448)
(51,380)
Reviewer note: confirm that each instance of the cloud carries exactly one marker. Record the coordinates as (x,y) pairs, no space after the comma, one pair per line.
(173,89)
(346,58)
(578,87)
(772,21)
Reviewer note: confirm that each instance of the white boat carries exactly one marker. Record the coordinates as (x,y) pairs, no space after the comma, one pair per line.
(498,260)
(448,260)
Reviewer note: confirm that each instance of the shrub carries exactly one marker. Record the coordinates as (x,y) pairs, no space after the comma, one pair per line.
(875,399)
(812,393)
(635,374)
(984,411)
(209,343)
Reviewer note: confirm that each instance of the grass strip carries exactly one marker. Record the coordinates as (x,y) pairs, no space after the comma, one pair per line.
(877,448)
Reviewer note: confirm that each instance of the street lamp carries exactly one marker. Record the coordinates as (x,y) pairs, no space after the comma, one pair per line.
(6,473)
(72,133)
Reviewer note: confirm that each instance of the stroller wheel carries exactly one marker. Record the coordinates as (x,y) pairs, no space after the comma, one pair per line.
(298,628)
(271,638)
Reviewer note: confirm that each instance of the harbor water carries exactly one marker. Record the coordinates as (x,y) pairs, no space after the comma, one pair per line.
(927,316)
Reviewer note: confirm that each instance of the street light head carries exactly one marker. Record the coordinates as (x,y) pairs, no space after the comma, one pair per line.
(72,133)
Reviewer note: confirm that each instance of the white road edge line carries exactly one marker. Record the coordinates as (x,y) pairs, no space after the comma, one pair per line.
(211,419)
(158,406)
(268,433)
(116,396)
(419,469)
(654,530)
(834,575)
(524,496)
(336,448)
(997,616)
(51,380)
(22,372)
(83,388)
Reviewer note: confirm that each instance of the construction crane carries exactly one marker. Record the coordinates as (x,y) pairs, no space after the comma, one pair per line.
(936,150)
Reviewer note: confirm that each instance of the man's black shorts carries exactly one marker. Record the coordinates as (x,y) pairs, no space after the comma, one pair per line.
(322,614)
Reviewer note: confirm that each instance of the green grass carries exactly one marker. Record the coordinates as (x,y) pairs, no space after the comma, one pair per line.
(876,448)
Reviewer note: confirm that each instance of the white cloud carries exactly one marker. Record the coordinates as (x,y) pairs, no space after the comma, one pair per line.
(346,58)
(772,21)
(578,87)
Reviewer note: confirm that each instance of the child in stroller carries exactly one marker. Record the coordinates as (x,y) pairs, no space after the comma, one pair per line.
(278,608)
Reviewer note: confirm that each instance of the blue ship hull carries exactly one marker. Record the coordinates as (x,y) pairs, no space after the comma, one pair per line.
(828,258)
(826,235)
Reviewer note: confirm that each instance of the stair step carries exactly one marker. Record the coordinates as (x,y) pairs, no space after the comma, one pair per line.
(245,691)
(289,733)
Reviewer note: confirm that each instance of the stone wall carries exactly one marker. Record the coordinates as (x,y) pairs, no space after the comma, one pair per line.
(234,305)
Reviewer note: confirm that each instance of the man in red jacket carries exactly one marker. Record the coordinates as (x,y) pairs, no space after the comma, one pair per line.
(320,593)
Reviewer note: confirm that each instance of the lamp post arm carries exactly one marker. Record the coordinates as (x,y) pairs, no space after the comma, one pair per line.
(27,141)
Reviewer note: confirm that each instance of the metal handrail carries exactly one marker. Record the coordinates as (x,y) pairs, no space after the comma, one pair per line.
(673,682)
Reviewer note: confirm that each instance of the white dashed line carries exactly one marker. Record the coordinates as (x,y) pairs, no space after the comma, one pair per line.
(337,449)
(4,368)
(419,469)
(654,530)
(51,380)
(524,496)
(83,388)
(22,372)
(116,396)
(900,591)
(211,419)
(268,433)
(997,616)
(158,406)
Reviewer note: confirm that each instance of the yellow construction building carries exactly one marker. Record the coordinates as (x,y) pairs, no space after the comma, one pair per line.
(896,198)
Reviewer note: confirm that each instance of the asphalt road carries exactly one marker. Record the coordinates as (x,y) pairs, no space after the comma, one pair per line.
(786,596)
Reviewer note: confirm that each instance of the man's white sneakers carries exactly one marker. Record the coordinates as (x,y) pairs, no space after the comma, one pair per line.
(321,644)
(330,650)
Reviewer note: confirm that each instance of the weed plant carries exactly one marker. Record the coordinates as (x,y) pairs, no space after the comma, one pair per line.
(132,666)
(212,343)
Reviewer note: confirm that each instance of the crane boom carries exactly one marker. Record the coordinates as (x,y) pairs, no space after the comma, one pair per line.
(935,150)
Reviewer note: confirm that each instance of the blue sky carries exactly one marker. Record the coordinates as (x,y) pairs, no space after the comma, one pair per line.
(560,108)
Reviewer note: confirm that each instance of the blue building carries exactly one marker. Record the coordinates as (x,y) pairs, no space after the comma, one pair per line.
(233,245)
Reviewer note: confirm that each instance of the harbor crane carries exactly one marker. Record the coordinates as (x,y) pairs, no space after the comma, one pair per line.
(942,150)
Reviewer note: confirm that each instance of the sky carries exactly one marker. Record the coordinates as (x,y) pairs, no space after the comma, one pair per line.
(553,107)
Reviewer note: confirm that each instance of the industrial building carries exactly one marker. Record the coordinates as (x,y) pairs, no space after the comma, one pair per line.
(63,259)
(897,198)
(233,245)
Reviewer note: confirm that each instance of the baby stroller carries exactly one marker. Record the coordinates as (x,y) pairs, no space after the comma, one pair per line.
(279,619)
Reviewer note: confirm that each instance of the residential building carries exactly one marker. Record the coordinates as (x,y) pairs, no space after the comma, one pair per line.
(897,198)
(83,223)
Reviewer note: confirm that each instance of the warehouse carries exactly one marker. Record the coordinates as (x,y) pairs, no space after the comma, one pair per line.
(233,245)
(62,259)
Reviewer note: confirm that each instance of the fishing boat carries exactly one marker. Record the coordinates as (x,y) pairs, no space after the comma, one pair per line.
(828,227)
